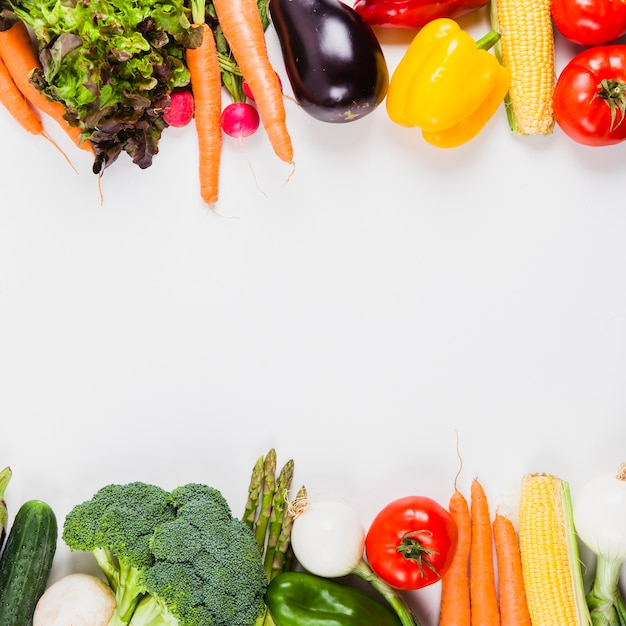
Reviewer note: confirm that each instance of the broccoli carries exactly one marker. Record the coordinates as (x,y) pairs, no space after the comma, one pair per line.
(117,525)
(176,558)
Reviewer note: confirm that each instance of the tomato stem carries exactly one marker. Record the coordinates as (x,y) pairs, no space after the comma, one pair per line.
(412,550)
(613,92)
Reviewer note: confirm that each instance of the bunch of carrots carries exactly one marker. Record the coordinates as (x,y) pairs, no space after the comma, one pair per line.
(242,27)
(471,592)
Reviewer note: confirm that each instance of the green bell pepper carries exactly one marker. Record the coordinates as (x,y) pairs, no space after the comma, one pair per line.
(303,599)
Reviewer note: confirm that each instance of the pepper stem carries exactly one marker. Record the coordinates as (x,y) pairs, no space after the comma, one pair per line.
(392,596)
(489,40)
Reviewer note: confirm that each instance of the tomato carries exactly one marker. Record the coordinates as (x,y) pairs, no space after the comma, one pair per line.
(411,542)
(590,22)
(589,96)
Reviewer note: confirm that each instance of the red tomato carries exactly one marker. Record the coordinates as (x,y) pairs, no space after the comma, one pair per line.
(590,22)
(411,542)
(589,96)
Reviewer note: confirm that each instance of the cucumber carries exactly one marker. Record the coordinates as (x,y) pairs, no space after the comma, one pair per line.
(26,562)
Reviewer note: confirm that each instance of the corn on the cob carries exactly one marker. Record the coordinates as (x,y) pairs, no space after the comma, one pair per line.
(526,48)
(549,550)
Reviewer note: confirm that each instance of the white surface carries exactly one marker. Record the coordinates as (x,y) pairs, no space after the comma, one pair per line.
(388,299)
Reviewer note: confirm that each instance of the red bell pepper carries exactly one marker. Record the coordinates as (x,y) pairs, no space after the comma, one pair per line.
(413,13)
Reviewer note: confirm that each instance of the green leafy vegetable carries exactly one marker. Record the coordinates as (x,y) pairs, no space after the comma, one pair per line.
(113,64)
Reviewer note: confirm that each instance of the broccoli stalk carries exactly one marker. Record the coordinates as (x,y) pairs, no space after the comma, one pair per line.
(151,612)
(129,590)
(126,582)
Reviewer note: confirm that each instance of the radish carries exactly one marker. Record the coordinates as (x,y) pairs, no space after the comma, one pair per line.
(179,112)
(240,119)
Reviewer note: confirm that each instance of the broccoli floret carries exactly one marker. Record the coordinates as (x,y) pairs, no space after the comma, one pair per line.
(197,492)
(117,525)
(208,569)
(173,559)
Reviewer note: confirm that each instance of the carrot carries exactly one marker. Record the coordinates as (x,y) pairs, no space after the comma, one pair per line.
(17,105)
(243,29)
(483,594)
(21,110)
(206,83)
(513,605)
(455,595)
(20,58)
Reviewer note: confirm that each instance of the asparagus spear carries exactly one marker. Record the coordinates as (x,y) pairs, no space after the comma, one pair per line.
(279,533)
(254,494)
(267,497)
(279,514)
(267,513)
(283,554)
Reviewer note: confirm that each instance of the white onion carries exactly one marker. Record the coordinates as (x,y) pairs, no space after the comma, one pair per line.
(600,515)
(599,511)
(327,538)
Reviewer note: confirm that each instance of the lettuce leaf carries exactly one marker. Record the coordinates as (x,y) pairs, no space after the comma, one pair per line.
(113,64)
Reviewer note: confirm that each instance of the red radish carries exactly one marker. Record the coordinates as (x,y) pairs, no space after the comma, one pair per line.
(248,91)
(179,112)
(240,119)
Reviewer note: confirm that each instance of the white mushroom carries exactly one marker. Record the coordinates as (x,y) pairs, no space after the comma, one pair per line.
(75,600)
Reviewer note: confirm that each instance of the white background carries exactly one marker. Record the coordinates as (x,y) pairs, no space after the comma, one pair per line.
(388,300)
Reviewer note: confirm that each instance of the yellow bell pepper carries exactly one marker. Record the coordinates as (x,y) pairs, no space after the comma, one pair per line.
(447,84)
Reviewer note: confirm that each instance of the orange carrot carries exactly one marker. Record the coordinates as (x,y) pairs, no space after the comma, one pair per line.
(513,606)
(206,83)
(455,595)
(242,27)
(21,110)
(17,105)
(20,58)
(483,594)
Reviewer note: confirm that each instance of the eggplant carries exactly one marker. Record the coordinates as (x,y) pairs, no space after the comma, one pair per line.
(333,59)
